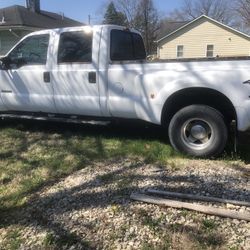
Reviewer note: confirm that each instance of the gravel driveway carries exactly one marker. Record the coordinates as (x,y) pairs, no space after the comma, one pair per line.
(91,209)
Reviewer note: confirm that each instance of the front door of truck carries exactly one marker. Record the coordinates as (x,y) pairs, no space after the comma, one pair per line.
(22,83)
(75,75)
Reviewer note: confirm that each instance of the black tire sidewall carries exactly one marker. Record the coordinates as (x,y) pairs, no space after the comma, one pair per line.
(206,113)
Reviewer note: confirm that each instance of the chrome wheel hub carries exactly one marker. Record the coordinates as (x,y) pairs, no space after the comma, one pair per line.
(197,134)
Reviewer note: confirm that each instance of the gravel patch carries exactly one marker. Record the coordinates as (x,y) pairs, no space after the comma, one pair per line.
(91,209)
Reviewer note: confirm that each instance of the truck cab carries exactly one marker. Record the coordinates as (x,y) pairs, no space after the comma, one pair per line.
(65,71)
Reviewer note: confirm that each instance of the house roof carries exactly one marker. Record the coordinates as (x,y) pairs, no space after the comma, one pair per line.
(20,16)
(196,20)
(169,27)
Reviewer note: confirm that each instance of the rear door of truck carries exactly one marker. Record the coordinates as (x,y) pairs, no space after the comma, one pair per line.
(127,54)
(75,72)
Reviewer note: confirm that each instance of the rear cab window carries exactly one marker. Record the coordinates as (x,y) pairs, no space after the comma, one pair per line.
(126,46)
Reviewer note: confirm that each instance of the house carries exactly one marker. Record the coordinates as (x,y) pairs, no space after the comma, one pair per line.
(17,21)
(202,37)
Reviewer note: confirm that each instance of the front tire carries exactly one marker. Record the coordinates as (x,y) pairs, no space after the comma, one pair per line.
(199,131)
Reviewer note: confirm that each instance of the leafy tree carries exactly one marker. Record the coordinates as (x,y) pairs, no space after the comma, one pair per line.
(112,16)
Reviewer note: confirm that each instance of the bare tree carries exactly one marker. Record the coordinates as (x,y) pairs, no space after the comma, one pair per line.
(143,16)
(147,22)
(243,9)
(129,9)
(220,10)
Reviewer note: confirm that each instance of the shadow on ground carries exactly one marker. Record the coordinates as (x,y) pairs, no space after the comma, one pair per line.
(82,197)
(124,129)
(42,211)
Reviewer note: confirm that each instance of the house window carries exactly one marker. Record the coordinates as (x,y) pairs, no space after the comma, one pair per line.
(180,51)
(210,50)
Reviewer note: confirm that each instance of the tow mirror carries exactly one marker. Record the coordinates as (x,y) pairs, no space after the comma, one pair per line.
(4,63)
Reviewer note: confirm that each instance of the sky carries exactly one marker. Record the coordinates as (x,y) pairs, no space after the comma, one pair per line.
(80,9)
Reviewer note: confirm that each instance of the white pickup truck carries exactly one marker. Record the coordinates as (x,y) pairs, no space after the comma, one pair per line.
(101,71)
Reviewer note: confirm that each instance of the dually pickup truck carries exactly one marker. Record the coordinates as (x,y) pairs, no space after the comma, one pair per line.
(101,71)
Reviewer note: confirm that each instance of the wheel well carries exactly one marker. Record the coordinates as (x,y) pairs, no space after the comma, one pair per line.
(202,96)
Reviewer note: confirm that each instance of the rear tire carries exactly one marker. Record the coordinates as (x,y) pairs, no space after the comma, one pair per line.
(199,131)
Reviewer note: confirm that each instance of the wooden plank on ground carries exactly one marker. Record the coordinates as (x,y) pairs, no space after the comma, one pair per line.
(195,207)
(198,197)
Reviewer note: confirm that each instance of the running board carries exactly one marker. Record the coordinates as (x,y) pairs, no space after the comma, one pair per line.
(52,118)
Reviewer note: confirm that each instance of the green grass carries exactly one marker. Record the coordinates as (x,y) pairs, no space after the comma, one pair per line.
(13,239)
(209,224)
(33,156)
(51,242)
(163,246)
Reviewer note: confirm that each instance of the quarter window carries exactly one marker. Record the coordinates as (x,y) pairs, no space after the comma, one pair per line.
(180,51)
(75,47)
(126,46)
(31,51)
(210,50)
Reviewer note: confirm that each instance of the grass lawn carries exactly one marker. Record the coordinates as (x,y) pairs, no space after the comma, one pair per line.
(32,154)
(35,154)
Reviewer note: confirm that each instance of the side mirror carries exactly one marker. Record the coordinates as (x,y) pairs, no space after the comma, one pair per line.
(4,63)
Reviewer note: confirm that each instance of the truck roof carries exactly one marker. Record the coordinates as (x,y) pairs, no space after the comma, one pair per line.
(87,27)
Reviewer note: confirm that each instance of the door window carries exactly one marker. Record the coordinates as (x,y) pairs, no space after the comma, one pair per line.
(75,47)
(31,51)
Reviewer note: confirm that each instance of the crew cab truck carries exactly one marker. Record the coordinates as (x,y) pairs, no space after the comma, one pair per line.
(101,71)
